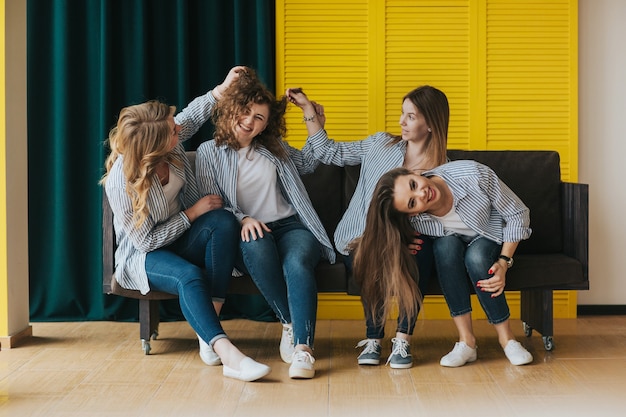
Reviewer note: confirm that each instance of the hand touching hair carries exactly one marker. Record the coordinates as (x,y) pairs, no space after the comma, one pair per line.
(237,99)
(142,137)
(383,265)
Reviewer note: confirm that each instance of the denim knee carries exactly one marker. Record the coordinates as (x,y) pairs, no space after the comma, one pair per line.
(479,257)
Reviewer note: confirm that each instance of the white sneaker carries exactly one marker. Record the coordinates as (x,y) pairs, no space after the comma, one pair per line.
(286,343)
(516,353)
(302,365)
(249,370)
(207,354)
(459,356)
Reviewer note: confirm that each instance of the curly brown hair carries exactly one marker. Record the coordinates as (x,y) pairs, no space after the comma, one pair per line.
(237,99)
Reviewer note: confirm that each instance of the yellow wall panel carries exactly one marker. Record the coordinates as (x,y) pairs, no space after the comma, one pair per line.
(531,88)
(428,43)
(325,51)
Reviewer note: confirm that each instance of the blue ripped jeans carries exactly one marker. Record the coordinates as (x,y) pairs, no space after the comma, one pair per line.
(282,265)
(457,257)
(406,325)
(197,267)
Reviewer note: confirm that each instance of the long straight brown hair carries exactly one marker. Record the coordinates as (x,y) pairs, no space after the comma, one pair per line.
(383,265)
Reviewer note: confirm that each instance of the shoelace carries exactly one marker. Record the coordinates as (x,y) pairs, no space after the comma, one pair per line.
(303,356)
(370,346)
(399,347)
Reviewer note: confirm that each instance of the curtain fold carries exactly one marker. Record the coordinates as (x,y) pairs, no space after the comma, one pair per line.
(86,60)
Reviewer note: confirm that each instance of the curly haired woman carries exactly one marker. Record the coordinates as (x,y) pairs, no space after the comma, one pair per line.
(282,238)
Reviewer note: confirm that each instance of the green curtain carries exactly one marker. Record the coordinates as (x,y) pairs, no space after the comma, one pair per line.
(86,60)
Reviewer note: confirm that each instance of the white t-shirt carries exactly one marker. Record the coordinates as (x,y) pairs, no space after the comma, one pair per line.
(258,193)
(452,222)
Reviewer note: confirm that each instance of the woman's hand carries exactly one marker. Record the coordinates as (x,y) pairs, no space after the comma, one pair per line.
(232,76)
(251,228)
(309,108)
(319,111)
(205,204)
(297,97)
(416,244)
(497,282)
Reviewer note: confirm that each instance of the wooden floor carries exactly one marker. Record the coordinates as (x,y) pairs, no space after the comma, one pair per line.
(98,369)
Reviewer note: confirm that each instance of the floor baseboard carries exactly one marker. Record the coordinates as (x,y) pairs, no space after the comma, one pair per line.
(601,310)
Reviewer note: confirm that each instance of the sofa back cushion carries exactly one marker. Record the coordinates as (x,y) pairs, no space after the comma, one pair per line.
(535,176)
(325,191)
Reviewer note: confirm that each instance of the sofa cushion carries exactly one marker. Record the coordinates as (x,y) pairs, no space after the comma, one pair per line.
(535,177)
(325,190)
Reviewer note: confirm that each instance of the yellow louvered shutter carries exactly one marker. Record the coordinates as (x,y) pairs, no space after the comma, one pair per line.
(428,42)
(531,78)
(322,46)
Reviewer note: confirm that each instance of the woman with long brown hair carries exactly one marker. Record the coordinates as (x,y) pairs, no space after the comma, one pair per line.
(420,145)
(476,222)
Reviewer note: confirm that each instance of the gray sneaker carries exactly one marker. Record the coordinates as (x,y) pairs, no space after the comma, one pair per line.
(371,352)
(400,357)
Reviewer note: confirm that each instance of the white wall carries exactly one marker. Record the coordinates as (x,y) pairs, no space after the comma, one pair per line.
(602,145)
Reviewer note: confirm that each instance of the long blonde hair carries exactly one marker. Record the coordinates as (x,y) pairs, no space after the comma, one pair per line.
(383,265)
(142,138)
(432,103)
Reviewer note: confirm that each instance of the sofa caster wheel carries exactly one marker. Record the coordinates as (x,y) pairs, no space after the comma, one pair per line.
(548,343)
(154,335)
(528,331)
(145,346)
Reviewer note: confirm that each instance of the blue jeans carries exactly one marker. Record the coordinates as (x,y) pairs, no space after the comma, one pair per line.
(282,265)
(456,258)
(197,267)
(406,325)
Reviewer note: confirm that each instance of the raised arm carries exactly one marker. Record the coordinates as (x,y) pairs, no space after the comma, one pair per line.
(312,113)
(192,117)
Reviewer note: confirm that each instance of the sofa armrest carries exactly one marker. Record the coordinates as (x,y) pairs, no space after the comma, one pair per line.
(575,206)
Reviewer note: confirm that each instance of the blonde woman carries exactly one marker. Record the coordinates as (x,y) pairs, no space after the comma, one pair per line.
(167,235)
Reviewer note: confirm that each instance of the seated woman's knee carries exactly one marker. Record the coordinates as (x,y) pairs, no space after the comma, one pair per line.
(190,275)
(219,218)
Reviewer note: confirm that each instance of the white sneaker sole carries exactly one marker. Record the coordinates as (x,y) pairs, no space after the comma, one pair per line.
(301,373)
(400,365)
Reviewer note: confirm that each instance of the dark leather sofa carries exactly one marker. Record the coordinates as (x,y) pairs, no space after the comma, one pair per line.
(554,258)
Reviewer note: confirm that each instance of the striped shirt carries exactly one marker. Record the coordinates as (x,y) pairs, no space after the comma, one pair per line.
(482,201)
(216,172)
(159,229)
(376,156)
